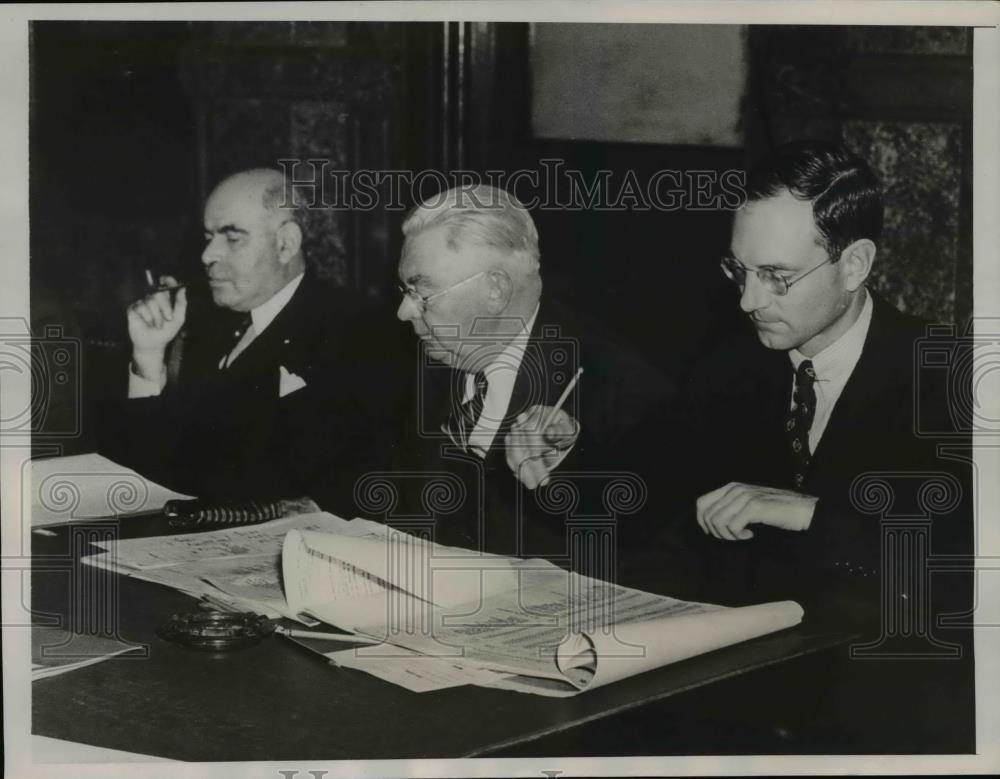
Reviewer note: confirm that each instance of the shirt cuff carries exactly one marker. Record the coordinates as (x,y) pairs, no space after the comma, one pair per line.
(140,387)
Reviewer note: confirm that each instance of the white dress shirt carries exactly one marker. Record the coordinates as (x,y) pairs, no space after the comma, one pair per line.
(833,367)
(260,318)
(500,377)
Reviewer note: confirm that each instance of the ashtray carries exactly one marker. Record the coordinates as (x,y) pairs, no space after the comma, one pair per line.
(216,631)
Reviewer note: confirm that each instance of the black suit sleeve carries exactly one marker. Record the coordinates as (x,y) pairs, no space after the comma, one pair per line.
(147,434)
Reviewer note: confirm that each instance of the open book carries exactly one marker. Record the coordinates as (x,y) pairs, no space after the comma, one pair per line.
(444,616)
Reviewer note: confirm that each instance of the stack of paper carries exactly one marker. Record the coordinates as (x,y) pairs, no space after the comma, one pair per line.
(89,486)
(55,651)
(432,616)
(237,568)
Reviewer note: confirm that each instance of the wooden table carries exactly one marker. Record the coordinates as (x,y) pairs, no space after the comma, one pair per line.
(278,701)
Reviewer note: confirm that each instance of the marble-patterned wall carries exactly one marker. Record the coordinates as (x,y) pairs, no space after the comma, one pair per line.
(909,40)
(294,91)
(324,129)
(919,164)
(902,98)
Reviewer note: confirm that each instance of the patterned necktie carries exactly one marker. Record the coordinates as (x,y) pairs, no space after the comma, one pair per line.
(462,421)
(240,330)
(800,418)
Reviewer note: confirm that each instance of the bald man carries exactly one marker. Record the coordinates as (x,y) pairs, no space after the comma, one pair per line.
(496,407)
(254,262)
(240,419)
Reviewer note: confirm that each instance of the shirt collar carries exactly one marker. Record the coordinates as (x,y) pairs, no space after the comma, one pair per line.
(839,358)
(508,362)
(265,313)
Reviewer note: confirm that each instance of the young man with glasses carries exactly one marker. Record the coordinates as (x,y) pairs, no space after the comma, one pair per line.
(777,437)
(814,471)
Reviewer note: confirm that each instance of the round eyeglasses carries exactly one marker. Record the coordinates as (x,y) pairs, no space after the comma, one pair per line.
(772,281)
(421,301)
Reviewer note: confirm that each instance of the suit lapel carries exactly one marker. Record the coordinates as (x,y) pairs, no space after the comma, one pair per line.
(536,383)
(780,379)
(879,369)
(279,341)
(775,400)
(447,388)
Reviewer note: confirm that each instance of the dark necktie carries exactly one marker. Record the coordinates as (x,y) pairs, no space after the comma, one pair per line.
(462,420)
(242,325)
(800,419)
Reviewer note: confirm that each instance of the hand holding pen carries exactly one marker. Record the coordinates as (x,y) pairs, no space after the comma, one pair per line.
(540,439)
(153,322)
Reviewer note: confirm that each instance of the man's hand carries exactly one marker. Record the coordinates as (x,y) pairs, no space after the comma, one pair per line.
(532,452)
(153,323)
(726,512)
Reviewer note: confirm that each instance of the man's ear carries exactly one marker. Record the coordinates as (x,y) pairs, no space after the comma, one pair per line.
(501,289)
(289,242)
(856,263)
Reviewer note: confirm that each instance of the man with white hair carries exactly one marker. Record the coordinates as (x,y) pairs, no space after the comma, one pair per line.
(501,398)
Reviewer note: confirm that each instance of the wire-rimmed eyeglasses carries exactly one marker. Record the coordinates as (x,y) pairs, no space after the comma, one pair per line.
(421,301)
(773,281)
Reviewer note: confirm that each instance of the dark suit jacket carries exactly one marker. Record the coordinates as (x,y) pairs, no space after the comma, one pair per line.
(732,423)
(227,433)
(880,446)
(423,481)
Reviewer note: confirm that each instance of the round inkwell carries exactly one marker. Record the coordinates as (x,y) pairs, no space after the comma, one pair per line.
(216,631)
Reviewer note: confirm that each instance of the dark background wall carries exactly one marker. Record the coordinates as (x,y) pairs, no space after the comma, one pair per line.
(133,123)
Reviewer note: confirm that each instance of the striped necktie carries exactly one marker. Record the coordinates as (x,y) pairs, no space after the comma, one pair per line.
(800,419)
(462,420)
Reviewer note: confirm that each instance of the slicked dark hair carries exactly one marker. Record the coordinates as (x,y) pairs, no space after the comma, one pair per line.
(845,194)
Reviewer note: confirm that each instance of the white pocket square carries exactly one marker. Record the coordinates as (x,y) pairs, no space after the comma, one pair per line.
(288,382)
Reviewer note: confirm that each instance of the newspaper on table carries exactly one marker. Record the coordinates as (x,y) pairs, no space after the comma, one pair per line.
(237,568)
(434,616)
(517,624)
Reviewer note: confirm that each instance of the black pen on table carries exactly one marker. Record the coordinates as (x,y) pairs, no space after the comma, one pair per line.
(154,287)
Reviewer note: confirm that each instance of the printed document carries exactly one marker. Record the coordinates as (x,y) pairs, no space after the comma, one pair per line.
(531,625)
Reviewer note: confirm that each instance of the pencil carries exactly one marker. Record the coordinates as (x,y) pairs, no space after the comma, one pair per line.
(562,399)
(154,287)
(293,633)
